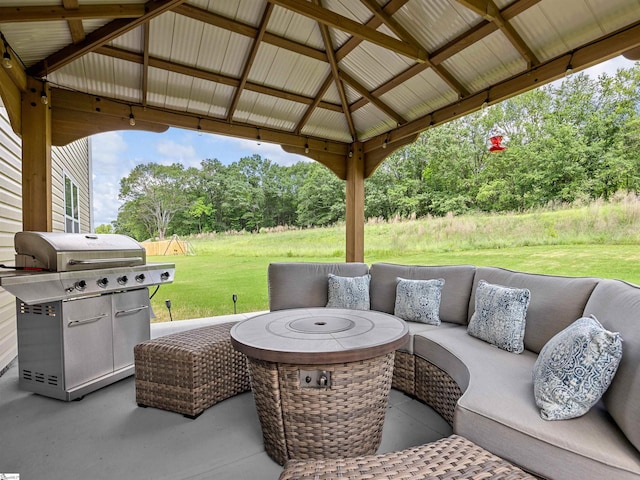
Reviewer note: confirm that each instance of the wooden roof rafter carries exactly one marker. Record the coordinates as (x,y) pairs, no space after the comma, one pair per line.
(75,25)
(249,61)
(335,73)
(490,12)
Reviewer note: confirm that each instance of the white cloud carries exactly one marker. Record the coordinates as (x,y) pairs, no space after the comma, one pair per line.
(109,166)
(270,151)
(174,152)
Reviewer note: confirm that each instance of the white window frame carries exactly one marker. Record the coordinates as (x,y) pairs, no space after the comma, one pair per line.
(71,204)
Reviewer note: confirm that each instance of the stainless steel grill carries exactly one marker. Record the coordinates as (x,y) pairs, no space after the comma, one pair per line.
(82,305)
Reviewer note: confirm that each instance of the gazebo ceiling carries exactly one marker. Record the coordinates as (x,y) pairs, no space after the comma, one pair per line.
(314,76)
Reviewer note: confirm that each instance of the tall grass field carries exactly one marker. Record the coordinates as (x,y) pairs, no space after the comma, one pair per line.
(601,239)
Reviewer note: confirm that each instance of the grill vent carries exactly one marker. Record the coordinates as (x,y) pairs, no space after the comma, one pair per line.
(46,309)
(39,377)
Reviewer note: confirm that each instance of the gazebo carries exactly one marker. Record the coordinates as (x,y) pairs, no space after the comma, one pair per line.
(343,82)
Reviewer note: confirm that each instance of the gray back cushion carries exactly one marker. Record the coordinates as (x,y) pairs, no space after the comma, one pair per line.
(299,285)
(556,302)
(616,305)
(455,292)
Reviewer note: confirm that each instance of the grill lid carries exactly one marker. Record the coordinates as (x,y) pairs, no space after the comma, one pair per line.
(64,252)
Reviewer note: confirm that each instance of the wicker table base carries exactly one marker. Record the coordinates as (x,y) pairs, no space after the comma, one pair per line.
(452,458)
(342,421)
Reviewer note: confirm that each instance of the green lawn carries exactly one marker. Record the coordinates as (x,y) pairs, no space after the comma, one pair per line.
(204,283)
(601,239)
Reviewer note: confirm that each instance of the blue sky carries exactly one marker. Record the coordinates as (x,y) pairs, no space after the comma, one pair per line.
(115,154)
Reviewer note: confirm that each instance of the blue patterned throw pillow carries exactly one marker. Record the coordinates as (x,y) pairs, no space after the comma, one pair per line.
(575,368)
(419,300)
(349,292)
(499,317)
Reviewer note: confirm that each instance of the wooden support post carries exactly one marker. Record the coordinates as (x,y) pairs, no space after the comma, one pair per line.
(36,159)
(355,204)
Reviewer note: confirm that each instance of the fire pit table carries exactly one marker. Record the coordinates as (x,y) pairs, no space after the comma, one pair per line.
(320,378)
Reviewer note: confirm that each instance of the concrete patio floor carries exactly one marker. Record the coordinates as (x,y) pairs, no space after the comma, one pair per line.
(107,436)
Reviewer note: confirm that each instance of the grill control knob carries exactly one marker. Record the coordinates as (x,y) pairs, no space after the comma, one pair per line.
(123,280)
(164,276)
(140,278)
(81,285)
(103,282)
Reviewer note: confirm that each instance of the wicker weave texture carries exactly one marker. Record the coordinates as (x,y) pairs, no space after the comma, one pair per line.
(452,458)
(404,372)
(344,420)
(436,388)
(190,371)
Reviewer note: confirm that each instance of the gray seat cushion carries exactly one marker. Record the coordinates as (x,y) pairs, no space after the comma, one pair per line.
(498,412)
(556,302)
(616,305)
(455,292)
(305,284)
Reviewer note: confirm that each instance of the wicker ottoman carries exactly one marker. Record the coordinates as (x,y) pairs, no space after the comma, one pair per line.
(450,458)
(189,371)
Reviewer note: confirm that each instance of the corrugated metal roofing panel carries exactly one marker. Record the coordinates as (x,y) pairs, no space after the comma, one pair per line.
(161,33)
(187,40)
(433,23)
(288,71)
(420,95)
(209,99)
(373,66)
(32,42)
(127,80)
(245,11)
(177,92)
(102,80)
(486,62)
(371,121)
(332,95)
(285,23)
(71,76)
(157,86)
(551,28)
(229,55)
(327,124)
(267,111)
(132,41)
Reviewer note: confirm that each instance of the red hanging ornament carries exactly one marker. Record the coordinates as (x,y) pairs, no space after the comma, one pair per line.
(496,143)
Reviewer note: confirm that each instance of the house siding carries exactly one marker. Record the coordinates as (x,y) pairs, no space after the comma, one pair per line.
(72,159)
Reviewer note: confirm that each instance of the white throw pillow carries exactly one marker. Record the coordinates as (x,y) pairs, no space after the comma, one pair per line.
(349,292)
(575,368)
(499,316)
(419,300)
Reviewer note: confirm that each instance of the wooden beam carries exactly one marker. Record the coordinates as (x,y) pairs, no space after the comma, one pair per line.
(249,61)
(489,11)
(332,161)
(145,64)
(355,204)
(75,25)
(53,12)
(332,19)
(37,210)
(211,76)
(335,72)
(99,37)
(316,101)
(11,99)
(66,103)
(583,57)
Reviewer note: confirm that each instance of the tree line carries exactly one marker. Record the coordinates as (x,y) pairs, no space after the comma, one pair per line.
(578,139)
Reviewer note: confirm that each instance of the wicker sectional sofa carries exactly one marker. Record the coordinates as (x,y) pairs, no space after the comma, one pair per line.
(487,393)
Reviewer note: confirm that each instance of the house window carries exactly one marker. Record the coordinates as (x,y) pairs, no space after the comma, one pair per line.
(71,206)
